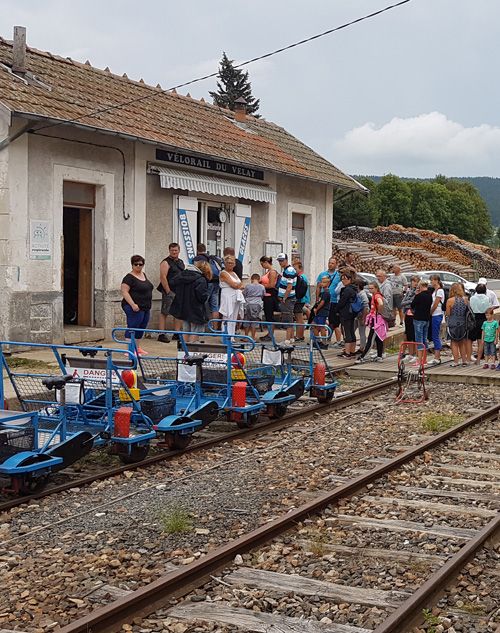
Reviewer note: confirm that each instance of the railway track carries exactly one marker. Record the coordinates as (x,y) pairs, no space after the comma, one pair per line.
(430,485)
(339,403)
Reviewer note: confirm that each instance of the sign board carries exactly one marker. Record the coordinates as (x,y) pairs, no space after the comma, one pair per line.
(218,166)
(40,239)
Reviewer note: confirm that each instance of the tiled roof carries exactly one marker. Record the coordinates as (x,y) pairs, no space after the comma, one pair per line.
(164,118)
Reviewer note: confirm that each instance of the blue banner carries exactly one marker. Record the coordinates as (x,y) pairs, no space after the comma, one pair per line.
(244,239)
(186,234)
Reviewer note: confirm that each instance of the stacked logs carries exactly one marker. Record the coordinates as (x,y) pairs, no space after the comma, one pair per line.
(459,256)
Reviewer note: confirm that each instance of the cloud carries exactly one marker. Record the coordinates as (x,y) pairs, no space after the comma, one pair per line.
(421,146)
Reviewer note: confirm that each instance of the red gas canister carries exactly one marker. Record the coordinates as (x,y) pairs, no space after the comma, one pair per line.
(319,374)
(122,422)
(239,398)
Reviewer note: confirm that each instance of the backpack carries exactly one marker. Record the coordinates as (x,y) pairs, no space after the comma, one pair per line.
(357,304)
(470,320)
(217,266)
(301,288)
(387,314)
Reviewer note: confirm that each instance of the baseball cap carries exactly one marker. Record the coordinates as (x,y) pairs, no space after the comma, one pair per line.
(481,280)
(281,257)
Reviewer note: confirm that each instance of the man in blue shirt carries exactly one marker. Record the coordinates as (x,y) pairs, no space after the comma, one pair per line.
(286,292)
(333,315)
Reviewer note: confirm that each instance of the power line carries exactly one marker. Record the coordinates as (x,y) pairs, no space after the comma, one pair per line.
(152,95)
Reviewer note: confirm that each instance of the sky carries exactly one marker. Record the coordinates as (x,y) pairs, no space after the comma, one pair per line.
(414,91)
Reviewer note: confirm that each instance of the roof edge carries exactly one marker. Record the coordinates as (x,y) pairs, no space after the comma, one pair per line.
(130,137)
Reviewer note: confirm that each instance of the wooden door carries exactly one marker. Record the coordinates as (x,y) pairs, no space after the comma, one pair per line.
(85,276)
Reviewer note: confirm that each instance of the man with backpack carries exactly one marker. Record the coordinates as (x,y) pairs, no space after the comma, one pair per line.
(333,316)
(302,298)
(217,265)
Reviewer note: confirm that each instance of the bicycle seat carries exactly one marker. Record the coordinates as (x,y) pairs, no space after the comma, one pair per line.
(286,347)
(90,352)
(195,359)
(56,382)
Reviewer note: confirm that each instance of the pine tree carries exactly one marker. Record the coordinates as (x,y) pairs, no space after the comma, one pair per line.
(233,83)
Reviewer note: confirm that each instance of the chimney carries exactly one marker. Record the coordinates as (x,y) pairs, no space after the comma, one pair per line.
(240,109)
(19,50)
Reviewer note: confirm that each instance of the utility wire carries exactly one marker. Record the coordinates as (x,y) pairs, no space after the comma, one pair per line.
(152,95)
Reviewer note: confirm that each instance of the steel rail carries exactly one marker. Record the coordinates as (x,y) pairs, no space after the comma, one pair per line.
(271,425)
(411,610)
(157,594)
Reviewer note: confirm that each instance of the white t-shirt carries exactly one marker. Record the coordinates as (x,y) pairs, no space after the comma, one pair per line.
(439,309)
(492,297)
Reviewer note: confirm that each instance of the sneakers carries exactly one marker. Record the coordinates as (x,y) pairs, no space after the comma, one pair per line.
(435,361)
(163,338)
(409,358)
(142,352)
(486,366)
(265,338)
(378,359)
(358,361)
(322,345)
(498,367)
(453,364)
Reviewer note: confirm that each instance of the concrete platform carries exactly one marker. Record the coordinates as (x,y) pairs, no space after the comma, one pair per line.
(472,374)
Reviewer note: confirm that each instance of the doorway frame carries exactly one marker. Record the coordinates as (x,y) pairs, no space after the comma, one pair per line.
(91,208)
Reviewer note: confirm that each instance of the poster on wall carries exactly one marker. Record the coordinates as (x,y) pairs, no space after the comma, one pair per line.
(40,239)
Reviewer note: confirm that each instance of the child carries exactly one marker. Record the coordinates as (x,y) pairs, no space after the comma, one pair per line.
(321,309)
(489,338)
(254,296)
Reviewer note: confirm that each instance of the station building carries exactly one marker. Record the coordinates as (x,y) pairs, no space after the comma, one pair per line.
(85,184)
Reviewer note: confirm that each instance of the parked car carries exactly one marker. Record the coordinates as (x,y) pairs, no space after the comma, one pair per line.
(368,277)
(448,279)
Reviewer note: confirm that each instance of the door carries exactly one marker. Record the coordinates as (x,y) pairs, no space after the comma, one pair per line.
(78,290)
(298,234)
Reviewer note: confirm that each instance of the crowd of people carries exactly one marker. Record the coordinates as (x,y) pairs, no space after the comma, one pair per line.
(358,315)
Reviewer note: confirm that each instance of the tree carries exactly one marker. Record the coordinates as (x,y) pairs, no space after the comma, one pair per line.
(355,209)
(392,201)
(233,83)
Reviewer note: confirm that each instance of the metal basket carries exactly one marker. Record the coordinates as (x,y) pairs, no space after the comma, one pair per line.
(14,441)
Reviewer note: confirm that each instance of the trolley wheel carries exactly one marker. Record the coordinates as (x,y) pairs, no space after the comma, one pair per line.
(277,411)
(27,484)
(248,422)
(137,454)
(324,396)
(177,441)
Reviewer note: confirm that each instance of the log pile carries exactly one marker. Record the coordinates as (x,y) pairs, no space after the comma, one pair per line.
(423,249)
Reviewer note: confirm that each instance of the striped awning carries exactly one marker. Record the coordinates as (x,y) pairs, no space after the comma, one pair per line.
(191,181)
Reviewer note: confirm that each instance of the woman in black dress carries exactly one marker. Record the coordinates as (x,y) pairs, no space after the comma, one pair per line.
(137,293)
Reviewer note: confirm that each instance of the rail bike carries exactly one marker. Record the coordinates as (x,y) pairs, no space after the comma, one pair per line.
(287,369)
(67,412)
(199,377)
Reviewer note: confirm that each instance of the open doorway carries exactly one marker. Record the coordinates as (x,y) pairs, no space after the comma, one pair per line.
(77,266)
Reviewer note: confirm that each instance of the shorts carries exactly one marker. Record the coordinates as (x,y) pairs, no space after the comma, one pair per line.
(489,348)
(286,309)
(252,312)
(166,302)
(193,327)
(348,326)
(396,301)
(213,297)
(333,316)
(298,308)
(319,320)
